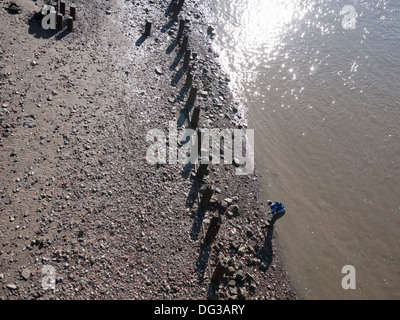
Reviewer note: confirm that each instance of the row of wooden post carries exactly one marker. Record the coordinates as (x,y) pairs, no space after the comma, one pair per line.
(215,222)
(70,19)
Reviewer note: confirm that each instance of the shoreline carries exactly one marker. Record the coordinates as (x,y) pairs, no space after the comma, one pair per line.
(77,183)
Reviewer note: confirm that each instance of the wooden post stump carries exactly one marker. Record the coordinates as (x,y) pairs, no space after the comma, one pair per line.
(60,21)
(70,24)
(147,30)
(72,11)
(62,8)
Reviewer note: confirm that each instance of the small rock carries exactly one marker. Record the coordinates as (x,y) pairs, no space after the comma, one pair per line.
(249,234)
(242,251)
(236,162)
(249,277)
(12,286)
(241,294)
(29,124)
(253,286)
(252,250)
(26,273)
(228,201)
(240,277)
(158,70)
(231,270)
(263,266)
(233,291)
(235,210)
(232,283)
(234,245)
(203,93)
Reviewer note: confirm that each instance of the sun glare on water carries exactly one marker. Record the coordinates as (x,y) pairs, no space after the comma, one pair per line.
(264,21)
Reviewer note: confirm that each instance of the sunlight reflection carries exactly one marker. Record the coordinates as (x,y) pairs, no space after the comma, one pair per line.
(264,21)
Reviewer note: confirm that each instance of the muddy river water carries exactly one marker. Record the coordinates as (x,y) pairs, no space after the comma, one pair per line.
(321,83)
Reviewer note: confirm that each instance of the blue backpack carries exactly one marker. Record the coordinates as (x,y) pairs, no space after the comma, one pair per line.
(278,206)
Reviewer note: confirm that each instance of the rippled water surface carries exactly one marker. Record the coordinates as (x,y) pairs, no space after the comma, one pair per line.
(325,105)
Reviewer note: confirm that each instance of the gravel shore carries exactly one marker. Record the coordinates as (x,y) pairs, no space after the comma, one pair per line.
(77,193)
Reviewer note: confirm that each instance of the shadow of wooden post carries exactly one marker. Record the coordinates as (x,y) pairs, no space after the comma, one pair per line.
(181,28)
(206,197)
(189,78)
(201,171)
(219,272)
(192,96)
(213,229)
(184,45)
(186,59)
(195,118)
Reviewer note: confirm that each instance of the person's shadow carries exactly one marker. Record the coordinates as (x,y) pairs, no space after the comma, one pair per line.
(266,253)
(202,260)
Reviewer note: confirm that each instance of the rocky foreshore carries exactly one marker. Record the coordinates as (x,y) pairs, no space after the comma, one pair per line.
(78,196)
